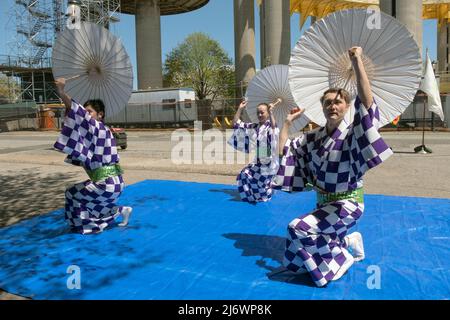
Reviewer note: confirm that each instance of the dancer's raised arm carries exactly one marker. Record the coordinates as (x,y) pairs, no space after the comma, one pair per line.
(364,89)
(284,133)
(237,116)
(273,122)
(60,85)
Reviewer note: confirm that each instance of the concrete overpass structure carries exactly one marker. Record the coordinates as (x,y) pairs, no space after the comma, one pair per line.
(148,34)
(274,30)
(275,36)
(409,12)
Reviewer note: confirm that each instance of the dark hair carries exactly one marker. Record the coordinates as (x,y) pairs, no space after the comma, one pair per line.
(97,105)
(264,104)
(340,92)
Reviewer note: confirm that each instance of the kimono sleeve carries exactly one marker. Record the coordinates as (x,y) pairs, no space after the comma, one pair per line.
(77,135)
(243,137)
(368,147)
(292,174)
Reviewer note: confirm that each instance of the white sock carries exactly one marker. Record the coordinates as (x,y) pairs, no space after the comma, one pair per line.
(126,212)
(354,242)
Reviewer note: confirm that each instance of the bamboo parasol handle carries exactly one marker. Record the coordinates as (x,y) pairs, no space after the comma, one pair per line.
(278,101)
(74,77)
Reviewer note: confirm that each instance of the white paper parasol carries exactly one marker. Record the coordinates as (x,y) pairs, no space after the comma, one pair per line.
(270,85)
(390,54)
(95,64)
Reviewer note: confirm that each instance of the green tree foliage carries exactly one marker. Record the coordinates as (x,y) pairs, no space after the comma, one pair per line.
(200,63)
(8,89)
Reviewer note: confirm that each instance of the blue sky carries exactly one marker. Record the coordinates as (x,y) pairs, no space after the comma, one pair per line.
(215,19)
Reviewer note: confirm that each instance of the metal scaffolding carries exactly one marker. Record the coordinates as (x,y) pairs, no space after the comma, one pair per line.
(101,12)
(36,22)
(27,67)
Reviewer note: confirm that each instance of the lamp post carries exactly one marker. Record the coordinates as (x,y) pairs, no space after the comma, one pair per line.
(73,13)
(72,7)
(434,65)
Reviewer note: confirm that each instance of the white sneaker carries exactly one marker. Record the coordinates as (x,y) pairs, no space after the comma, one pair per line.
(347,264)
(126,213)
(354,241)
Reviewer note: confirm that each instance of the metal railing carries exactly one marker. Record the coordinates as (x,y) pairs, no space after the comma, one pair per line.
(22,62)
(417,116)
(220,113)
(19,116)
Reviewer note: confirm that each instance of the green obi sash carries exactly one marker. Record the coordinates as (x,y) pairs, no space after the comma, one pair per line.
(105,172)
(356,195)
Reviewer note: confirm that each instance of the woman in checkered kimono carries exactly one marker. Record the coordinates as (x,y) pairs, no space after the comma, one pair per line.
(332,160)
(254,181)
(90,205)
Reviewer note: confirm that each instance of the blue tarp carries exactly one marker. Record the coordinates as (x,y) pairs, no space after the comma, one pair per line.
(198,241)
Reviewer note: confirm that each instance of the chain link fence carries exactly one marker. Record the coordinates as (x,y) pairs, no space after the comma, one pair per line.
(175,114)
(418,116)
(18,116)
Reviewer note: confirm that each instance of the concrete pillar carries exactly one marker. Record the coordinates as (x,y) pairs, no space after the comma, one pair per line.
(244,42)
(387,6)
(148,44)
(275,25)
(408,12)
(443,53)
(443,45)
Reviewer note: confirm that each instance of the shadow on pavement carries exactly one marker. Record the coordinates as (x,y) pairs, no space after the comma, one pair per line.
(29,193)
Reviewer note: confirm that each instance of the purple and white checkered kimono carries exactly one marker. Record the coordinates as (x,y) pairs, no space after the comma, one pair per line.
(254,181)
(90,207)
(334,163)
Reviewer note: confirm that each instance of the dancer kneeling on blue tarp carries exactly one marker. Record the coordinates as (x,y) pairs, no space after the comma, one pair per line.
(254,181)
(90,205)
(332,160)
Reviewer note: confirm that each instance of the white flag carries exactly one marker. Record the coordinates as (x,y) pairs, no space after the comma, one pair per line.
(430,87)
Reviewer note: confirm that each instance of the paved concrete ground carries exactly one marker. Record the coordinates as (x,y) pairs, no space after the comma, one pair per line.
(33,176)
